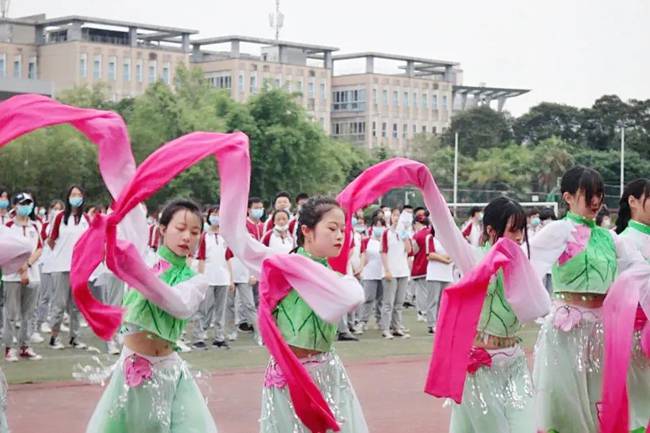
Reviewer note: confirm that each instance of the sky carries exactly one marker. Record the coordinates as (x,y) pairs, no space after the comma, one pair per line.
(565,51)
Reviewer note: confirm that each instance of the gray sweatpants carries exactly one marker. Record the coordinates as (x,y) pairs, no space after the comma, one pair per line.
(373,290)
(42,311)
(432,301)
(392,303)
(19,305)
(420,289)
(213,307)
(240,307)
(63,301)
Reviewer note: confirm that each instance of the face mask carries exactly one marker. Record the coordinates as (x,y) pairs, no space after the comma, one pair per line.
(359,229)
(606,222)
(283,228)
(214,220)
(257,213)
(25,209)
(75,201)
(535,221)
(377,231)
(480,216)
(355,221)
(41,212)
(286,208)
(4,204)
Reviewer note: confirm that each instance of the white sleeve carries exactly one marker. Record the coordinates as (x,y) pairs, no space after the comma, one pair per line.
(548,245)
(626,253)
(183,299)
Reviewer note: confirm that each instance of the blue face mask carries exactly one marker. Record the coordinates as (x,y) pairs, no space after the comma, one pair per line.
(25,209)
(535,221)
(214,220)
(257,213)
(377,231)
(355,221)
(4,204)
(75,201)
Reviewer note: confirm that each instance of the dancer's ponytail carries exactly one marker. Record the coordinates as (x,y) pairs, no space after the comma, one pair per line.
(637,189)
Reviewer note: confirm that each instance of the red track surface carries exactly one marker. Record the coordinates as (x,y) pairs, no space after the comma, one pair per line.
(390,393)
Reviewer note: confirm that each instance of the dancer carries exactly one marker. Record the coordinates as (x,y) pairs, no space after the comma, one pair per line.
(633,224)
(151,388)
(498,392)
(309,337)
(584,260)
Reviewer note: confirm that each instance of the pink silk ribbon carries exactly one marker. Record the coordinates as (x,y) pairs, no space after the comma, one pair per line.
(23,114)
(619,317)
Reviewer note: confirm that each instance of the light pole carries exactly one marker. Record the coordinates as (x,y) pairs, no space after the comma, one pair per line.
(456,174)
(622,157)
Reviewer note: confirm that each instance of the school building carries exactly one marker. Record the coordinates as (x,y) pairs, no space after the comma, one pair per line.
(373,105)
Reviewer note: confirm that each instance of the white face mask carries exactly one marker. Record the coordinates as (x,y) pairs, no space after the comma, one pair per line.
(283,228)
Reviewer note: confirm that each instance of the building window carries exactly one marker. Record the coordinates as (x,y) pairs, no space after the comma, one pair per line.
(415,130)
(220,81)
(3,65)
(374,129)
(310,89)
(405,130)
(322,91)
(126,70)
(299,86)
(414,98)
(434,102)
(276,83)
(166,73)
(111,68)
(153,71)
(383,129)
(349,100)
(444,102)
(424,100)
(385,97)
(97,67)
(240,83)
(434,130)
(374,97)
(394,130)
(31,69)
(83,65)
(424,129)
(139,75)
(395,99)
(253,85)
(18,66)
(406,99)
(354,131)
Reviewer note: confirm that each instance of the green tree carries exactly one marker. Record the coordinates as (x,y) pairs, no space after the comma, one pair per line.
(479,128)
(548,120)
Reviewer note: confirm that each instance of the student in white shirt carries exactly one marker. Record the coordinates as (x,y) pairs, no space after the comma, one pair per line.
(282,201)
(372,274)
(278,238)
(46,291)
(21,288)
(212,263)
(439,276)
(67,228)
(395,249)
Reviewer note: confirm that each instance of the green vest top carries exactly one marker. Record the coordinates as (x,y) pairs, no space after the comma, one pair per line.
(300,325)
(146,315)
(593,269)
(497,317)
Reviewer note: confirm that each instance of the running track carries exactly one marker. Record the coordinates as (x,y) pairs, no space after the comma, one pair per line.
(390,392)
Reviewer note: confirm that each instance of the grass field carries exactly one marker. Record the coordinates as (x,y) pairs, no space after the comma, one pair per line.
(58,365)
